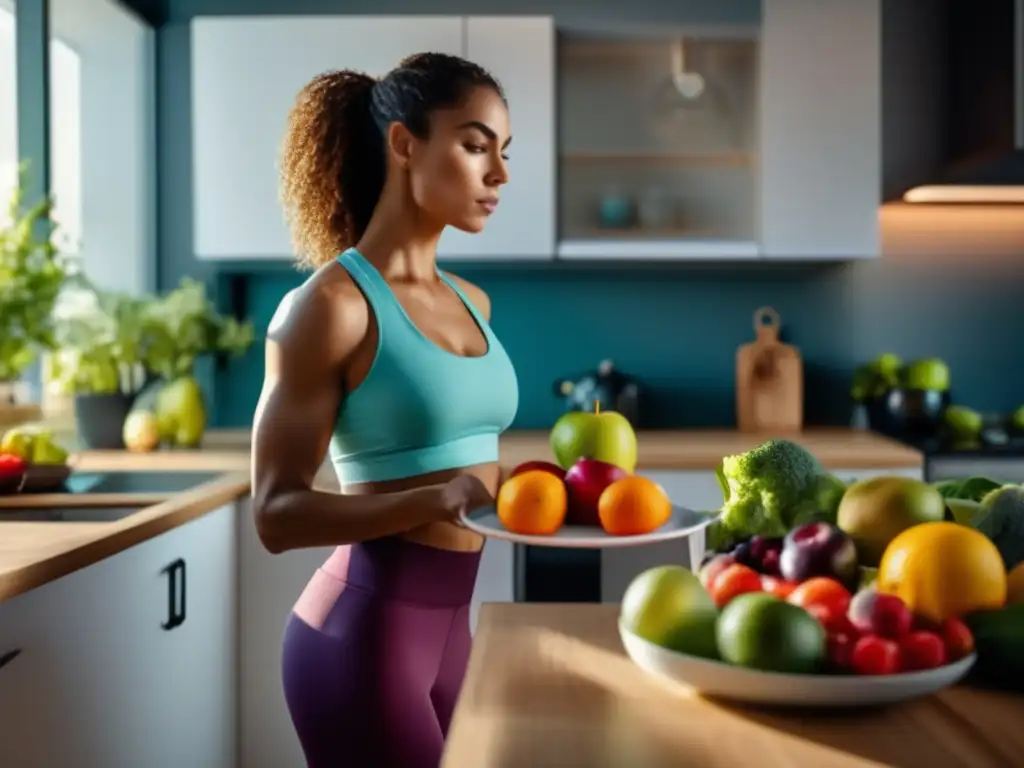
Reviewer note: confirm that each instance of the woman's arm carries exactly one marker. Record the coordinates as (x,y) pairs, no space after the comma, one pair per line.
(310,339)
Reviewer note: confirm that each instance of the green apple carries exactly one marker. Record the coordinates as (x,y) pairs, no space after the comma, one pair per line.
(963,421)
(606,436)
(888,363)
(930,373)
(1017,419)
(669,607)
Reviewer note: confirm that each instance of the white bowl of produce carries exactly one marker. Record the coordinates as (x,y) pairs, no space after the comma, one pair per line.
(717,679)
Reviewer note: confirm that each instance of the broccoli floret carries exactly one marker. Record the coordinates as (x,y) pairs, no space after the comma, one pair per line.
(1001,519)
(770,487)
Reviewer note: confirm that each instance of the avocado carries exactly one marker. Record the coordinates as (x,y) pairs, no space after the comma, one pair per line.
(999,642)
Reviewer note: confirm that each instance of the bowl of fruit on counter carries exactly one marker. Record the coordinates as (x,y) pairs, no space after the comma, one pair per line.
(32,461)
(818,594)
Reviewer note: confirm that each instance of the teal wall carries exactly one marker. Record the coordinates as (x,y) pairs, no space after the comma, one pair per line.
(675,327)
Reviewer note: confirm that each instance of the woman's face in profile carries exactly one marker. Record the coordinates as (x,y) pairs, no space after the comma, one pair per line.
(458,172)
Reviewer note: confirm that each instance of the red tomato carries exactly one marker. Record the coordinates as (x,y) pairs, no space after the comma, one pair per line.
(11,465)
(873,655)
(781,588)
(822,591)
(832,620)
(713,568)
(921,650)
(957,638)
(839,651)
(734,581)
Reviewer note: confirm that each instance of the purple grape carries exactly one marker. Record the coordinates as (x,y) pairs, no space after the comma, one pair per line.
(770,562)
(743,554)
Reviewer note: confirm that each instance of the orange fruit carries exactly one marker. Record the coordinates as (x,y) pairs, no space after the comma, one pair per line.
(1015,586)
(533,503)
(942,570)
(633,505)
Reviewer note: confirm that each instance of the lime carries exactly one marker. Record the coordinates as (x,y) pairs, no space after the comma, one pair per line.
(760,631)
(930,373)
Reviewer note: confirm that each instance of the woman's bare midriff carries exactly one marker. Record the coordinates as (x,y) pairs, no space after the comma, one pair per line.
(450,536)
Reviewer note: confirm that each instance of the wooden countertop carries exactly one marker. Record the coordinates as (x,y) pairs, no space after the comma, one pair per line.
(696,449)
(33,554)
(549,685)
(703,449)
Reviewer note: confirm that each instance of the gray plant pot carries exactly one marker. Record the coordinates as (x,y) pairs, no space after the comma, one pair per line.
(100,419)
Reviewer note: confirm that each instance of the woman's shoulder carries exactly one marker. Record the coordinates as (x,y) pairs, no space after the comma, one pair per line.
(327,308)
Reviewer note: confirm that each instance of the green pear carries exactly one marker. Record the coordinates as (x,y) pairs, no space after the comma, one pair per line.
(141,432)
(46,451)
(181,412)
(17,442)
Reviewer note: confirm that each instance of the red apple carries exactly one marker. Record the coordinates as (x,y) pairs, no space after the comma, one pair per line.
(585,481)
(541,466)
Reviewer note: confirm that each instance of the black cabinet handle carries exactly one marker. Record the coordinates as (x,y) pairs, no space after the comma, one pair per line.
(8,657)
(175,595)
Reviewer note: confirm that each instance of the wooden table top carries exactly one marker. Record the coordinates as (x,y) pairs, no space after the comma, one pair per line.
(550,685)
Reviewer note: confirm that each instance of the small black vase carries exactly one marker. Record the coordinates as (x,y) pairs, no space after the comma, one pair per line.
(100,419)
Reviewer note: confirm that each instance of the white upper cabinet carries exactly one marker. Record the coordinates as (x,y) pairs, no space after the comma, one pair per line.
(820,94)
(246,73)
(520,52)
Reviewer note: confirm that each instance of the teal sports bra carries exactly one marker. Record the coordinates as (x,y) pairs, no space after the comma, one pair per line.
(420,408)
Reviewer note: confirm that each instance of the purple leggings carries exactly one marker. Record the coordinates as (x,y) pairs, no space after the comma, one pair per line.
(375,652)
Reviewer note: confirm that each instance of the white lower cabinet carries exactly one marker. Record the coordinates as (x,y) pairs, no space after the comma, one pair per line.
(697,490)
(495,582)
(113,670)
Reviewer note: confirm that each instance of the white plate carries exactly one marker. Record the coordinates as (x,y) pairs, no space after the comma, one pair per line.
(683,523)
(717,679)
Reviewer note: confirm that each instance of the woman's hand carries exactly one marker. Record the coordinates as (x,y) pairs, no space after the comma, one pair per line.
(462,494)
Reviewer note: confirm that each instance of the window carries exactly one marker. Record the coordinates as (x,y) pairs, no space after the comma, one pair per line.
(65,129)
(66,144)
(102,140)
(8,108)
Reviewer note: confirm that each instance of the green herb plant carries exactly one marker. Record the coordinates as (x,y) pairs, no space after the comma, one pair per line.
(99,336)
(109,342)
(32,272)
(182,326)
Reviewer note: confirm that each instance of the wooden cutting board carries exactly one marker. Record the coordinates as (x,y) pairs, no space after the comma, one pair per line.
(769,380)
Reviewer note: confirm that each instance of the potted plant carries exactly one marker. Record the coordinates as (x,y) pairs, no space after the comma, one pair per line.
(179,328)
(98,359)
(32,272)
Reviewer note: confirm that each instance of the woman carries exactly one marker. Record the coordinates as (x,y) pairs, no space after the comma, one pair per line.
(391,365)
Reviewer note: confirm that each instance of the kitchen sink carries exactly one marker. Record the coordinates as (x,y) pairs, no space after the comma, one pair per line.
(67,514)
(137,482)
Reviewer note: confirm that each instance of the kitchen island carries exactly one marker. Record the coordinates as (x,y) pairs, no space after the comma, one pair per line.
(550,685)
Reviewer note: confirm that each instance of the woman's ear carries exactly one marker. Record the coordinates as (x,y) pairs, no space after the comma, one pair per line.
(401,143)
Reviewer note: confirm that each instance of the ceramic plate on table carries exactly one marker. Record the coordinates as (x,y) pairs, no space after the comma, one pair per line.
(719,680)
(684,522)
